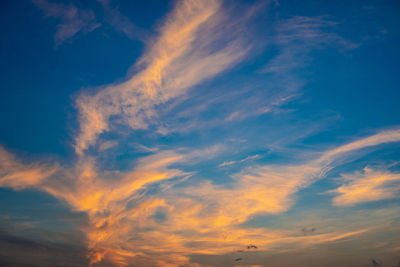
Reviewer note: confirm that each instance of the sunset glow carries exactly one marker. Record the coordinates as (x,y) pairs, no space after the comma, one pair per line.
(200,133)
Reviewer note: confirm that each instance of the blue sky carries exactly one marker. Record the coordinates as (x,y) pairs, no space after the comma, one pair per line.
(199,133)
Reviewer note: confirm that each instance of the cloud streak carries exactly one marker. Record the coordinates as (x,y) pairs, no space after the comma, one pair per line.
(270,189)
(369,185)
(185,54)
(297,36)
(189,50)
(104,197)
(228,163)
(73,19)
(150,214)
(18,175)
(126,222)
(122,23)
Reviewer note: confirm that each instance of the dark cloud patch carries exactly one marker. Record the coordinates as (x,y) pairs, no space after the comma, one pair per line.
(375,263)
(308,230)
(22,251)
(160,216)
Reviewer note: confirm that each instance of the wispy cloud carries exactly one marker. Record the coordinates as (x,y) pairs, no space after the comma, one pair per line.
(277,83)
(149,214)
(104,197)
(294,39)
(18,175)
(107,144)
(185,54)
(227,163)
(72,19)
(122,23)
(382,137)
(124,216)
(270,189)
(369,185)
(297,36)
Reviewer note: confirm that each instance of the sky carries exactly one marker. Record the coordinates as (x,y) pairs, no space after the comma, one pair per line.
(199,133)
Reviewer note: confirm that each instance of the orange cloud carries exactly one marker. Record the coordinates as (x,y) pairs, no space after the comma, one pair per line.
(122,224)
(126,223)
(383,137)
(129,223)
(372,185)
(17,175)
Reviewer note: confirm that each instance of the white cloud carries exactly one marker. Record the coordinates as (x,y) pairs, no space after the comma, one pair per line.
(228,163)
(185,54)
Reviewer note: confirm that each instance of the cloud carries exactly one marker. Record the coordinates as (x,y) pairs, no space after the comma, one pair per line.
(73,19)
(121,223)
(375,263)
(228,163)
(38,252)
(295,39)
(142,215)
(104,197)
(124,208)
(122,23)
(107,145)
(19,176)
(190,49)
(297,36)
(369,185)
(284,75)
(306,230)
(270,189)
(382,137)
